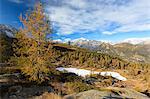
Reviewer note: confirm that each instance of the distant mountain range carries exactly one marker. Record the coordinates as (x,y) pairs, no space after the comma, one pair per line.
(130,49)
(137,40)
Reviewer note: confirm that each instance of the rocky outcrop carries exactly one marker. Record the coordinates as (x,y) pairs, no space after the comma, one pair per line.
(108,93)
(25,91)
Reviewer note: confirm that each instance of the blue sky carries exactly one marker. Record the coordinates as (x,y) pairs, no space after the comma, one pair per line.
(107,20)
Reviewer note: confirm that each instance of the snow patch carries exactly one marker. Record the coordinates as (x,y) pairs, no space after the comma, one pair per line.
(114,75)
(80,72)
(83,73)
(9,34)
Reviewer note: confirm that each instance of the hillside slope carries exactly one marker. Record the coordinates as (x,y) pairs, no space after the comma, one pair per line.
(132,52)
(6,40)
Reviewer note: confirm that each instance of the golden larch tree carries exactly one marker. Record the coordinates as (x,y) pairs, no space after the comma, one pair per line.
(32,51)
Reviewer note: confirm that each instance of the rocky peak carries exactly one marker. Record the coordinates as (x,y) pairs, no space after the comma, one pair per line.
(7,30)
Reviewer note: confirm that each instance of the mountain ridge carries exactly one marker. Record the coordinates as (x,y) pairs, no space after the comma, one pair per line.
(132,52)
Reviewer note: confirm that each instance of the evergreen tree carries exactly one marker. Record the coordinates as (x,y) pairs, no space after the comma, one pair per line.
(33,52)
(5,47)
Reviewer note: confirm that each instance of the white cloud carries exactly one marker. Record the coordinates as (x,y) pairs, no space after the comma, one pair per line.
(94,15)
(108,33)
(129,28)
(77,3)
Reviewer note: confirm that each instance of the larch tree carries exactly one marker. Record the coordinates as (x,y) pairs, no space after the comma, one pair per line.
(32,51)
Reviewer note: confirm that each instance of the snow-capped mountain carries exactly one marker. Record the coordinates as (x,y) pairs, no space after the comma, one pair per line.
(82,42)
(130,49)
(137,40)
(57,41)
(7,30)
(94,43)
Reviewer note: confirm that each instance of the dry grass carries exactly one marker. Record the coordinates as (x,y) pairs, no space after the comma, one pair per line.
(47,95)
(137,84)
